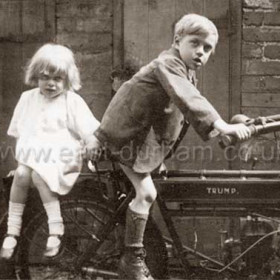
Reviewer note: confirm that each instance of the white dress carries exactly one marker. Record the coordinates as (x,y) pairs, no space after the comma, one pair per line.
(50,135)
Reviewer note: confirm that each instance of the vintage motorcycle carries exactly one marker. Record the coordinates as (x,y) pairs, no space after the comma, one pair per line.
(241,209)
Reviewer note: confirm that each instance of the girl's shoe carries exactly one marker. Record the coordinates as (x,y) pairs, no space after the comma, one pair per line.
(8,252)
(53,251)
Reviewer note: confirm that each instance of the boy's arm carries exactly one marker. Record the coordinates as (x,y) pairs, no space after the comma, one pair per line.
(172,75)
(240,130)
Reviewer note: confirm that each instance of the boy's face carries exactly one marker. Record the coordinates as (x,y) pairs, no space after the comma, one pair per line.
(51,85)
(195,50)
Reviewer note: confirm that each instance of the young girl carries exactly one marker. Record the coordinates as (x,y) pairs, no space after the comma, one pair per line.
(145,118)
(49,122)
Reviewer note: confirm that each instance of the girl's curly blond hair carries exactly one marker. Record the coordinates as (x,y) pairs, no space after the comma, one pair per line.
(56,59)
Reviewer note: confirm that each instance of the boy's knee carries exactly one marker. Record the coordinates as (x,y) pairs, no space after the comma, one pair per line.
(151,196)
(146,194)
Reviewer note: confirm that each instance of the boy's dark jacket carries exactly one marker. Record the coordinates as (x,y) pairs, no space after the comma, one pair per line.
(145,117)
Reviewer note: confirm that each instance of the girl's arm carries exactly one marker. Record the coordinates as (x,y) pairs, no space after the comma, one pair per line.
(81,120)
(18,114)
(93,148)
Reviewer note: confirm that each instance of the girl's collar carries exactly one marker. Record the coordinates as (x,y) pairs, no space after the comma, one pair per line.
(53,97)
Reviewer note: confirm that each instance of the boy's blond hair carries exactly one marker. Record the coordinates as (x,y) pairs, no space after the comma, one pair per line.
(53,58)
(191,24)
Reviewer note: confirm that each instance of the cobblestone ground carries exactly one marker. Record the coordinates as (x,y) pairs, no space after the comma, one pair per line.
(176,274)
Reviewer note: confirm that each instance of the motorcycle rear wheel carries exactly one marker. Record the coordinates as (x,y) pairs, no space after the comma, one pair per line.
(82,220)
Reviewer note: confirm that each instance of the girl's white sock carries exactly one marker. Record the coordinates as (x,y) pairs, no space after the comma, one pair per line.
(14,224)
(55,220)
(15,218)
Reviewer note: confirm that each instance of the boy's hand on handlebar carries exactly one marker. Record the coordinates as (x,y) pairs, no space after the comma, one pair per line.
(93,148)
(240,130)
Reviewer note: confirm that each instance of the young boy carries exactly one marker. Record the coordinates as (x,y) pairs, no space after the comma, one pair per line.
(145,117)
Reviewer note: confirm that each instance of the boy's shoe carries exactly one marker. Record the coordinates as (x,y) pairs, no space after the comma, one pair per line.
(7,253)
(132,265)
(53,251)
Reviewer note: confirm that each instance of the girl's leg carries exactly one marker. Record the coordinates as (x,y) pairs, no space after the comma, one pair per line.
(132,264)
(52,206)
(18,196)
(21,184)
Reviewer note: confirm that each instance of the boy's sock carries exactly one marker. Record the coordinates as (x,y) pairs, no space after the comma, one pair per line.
(14,223)
(55,222)
(135,228)
(132,263)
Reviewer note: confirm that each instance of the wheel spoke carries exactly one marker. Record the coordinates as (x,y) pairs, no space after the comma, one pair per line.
(81,227)
(100,220)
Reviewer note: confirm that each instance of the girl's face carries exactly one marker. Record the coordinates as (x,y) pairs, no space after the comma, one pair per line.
(51,84)
(195,50)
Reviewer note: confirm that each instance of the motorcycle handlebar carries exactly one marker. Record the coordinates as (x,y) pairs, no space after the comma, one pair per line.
(230,140)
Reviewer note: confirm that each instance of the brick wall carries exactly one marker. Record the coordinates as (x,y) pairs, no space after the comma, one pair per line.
(86,26)
(260,75)
(261,57)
